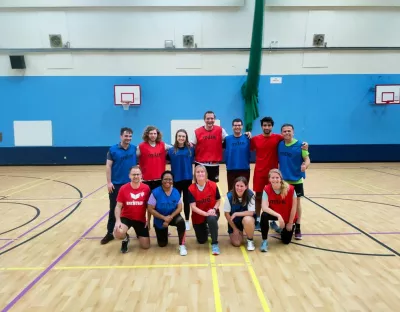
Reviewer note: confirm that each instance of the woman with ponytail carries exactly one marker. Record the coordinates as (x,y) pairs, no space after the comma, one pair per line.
(279,203)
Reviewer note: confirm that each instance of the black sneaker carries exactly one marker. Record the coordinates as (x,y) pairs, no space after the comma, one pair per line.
(124,245)
(106,239)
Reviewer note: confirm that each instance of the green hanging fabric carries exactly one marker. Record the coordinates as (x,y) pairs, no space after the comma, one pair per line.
(250,87)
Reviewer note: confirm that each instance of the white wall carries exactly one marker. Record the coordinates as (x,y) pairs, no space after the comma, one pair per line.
(212,27)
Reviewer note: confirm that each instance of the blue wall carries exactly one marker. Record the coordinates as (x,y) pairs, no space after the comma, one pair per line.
(325,109)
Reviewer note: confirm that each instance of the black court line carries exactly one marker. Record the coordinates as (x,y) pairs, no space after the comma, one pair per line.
(53,225)
(2,197)
(359,200)
(44,199)
(13,203)
(354,227)
(340,251)
(396,175)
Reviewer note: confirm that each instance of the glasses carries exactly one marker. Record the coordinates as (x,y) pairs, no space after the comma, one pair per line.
(167,180)
(136,174)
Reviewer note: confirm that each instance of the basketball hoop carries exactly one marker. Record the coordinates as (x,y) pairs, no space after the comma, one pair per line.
(126,104)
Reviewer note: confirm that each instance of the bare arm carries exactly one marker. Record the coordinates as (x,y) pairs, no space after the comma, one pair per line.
(155,213)
(293,211)
(231,223)
(306,163)
(265,208)
(198,210)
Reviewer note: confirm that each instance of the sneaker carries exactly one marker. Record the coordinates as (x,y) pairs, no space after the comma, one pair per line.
(250,245)
(275,227)
(297,234)
(124,245)
(182,250)
(264,246)
(187,223)
(215,249)
(106,239)
(257,227)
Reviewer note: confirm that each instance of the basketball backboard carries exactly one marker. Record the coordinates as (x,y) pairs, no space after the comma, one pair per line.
(387,94)
(127,93)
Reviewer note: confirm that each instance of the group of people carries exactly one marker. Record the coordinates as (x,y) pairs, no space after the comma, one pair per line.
(140,187)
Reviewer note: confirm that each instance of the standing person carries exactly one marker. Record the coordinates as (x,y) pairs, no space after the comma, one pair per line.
(204,198)
(181,157)
(208,150)
(266,147)
(239,211)
(237,154)
(293,163)
(130,211)
(120,158)
(165,205)
(278,203)
(152,156)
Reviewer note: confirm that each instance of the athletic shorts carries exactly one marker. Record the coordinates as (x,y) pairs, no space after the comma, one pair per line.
(259,182)
(239,224)
(299,189)
(139,227)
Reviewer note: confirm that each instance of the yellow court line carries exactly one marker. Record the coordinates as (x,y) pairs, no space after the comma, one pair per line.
(255,280)
(107,267)
(214,276)
(27,183)
(32,186)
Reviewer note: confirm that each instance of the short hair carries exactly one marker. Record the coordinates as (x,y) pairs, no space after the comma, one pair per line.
(135,167)
(129,130)
(287,125)
(267,119)
(237,120)
(167,172)
(209,112)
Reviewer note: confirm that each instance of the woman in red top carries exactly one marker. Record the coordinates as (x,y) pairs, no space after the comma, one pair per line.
(204,199)
(279,203)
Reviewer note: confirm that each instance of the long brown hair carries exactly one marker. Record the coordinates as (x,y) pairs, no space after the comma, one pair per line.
(186,144)
(246,197)
(145,136)
(284,185)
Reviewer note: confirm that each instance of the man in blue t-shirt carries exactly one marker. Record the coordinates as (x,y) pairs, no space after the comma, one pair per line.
(121,158)
(237,153)
(293,163)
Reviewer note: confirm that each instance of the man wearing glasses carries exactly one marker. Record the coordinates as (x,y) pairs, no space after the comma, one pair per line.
(237,153)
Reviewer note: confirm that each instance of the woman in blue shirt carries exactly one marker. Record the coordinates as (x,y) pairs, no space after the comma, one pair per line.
(181,157)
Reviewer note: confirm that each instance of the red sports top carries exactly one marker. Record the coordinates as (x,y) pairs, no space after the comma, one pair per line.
(209,144)
(266,152)
(279,205)
(134,201)
(205,200)
(152,160)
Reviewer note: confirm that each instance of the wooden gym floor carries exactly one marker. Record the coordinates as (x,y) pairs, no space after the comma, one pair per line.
(52,220)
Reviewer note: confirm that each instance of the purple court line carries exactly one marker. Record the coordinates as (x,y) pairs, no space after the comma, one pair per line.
(384,233)
(38,278)
(49,218)
(304,234)
(6,239)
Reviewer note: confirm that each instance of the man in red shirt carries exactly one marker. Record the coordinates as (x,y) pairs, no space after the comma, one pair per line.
(130,211)
(266,147)
(208,151)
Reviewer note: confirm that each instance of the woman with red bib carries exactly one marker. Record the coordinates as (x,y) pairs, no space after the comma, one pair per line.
(279,203)
(204,199)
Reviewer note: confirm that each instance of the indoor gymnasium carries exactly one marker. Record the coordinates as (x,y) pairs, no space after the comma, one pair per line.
(199,155)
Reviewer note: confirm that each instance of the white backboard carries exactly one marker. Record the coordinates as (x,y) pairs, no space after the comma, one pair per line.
(387,94)
(130,93)
(33,133)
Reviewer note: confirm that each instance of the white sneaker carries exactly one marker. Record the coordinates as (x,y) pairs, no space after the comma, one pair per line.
(250,245)
(187,223)
(182,250)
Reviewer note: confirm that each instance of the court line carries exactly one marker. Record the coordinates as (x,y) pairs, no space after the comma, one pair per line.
(41,275)
(51,217)
(214,277)
(256,283)
(23,184)
(384,233)
(32,186)
(383,172)
(355,227)
(19,226)
(359,200)
(112,267)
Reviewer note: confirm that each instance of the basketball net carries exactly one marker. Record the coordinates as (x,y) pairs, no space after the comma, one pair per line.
(126,105)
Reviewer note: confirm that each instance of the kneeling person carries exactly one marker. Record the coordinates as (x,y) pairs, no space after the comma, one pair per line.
(239,211)
(130,211)
(165,205)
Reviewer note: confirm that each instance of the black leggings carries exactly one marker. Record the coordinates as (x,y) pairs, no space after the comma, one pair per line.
(183,187)
(286,236)
(162,234)
(202,231)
